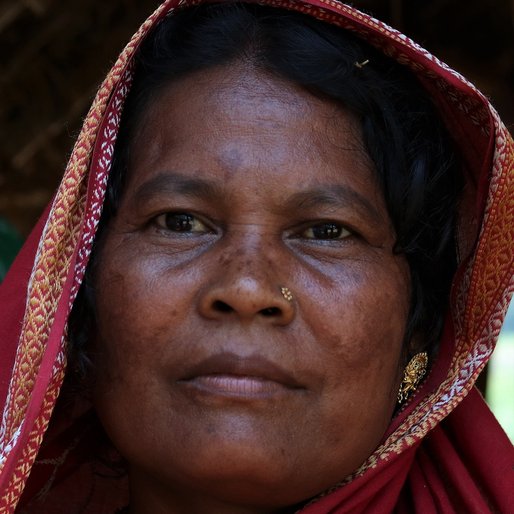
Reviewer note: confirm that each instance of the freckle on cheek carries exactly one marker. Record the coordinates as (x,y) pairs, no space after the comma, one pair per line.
(224,259)
(335,341)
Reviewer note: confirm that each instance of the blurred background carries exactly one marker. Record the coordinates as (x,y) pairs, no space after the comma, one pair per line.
(54,54)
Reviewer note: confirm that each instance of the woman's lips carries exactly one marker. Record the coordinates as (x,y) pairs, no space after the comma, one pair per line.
(230,375)
(236,385)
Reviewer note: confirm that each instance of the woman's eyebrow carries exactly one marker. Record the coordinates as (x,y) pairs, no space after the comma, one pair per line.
(334,196)
(175,183)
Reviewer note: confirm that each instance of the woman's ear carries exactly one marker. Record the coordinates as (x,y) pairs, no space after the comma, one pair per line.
(416,344)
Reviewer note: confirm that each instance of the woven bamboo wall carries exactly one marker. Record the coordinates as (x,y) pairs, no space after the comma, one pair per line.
(54,53)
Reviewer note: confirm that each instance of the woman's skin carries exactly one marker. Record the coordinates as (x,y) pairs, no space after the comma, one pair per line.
(222,395)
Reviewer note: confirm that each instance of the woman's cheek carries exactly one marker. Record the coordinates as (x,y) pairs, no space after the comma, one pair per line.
(364,314)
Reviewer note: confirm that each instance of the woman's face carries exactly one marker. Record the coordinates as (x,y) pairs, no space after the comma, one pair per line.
(213,385)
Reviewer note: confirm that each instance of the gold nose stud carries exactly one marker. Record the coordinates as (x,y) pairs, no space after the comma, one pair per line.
(286,293)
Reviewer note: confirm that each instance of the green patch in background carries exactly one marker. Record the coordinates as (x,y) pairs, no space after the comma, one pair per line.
(500,379)
(10,243)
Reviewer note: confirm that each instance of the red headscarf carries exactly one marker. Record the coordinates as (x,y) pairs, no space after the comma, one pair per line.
(444,453)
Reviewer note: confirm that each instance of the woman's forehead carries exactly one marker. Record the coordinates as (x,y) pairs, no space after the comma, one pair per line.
(247,95)
(238,119)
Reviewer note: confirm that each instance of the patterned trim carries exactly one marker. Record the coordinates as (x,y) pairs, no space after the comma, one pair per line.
(51,269)
(99,177)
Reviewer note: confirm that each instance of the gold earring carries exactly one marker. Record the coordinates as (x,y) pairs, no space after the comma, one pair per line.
(412,376)
(286,293)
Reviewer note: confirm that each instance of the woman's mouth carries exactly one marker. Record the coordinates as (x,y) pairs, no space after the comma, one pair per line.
(236,385)
(233,376)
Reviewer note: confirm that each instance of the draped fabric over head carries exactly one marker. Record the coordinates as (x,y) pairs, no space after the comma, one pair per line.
(444,452)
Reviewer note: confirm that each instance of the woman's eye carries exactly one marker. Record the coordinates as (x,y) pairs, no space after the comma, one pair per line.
(180,222)
(328,230)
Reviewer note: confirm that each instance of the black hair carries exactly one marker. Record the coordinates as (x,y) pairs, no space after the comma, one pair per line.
(412,152)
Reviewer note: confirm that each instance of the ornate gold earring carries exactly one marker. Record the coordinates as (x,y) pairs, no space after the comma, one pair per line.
(286,293)
(412,376)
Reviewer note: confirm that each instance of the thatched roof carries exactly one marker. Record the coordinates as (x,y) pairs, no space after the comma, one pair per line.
(54,53)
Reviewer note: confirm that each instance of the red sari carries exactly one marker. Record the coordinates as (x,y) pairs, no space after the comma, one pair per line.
(443,453)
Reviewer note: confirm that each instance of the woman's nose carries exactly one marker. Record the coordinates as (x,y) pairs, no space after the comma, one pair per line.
(248,298)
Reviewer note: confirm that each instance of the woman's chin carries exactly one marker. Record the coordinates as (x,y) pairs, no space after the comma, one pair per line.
(253,483)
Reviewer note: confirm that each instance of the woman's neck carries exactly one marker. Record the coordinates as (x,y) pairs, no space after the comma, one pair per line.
(149,497)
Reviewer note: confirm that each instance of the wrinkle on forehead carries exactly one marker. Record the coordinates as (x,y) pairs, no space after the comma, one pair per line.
(229,105)
(252,96)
